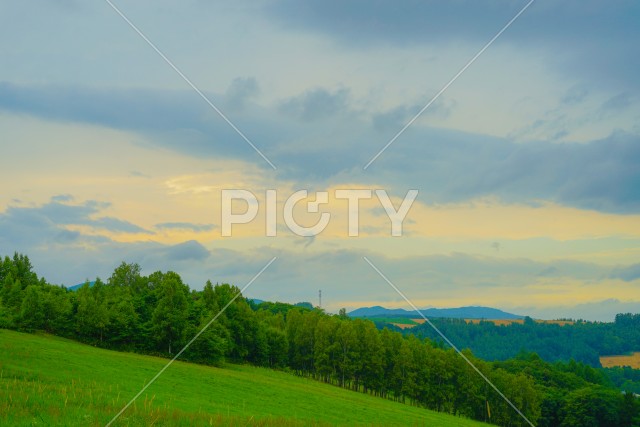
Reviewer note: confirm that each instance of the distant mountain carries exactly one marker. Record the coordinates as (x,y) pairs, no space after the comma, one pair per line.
(79,285)
(454,313)
(378,311)
(471,313)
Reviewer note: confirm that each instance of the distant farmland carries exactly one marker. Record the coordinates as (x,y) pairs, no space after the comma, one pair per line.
(632,360)
(520,321)
(410,323)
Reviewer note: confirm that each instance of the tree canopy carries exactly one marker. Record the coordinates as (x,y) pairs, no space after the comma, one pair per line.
(158,314)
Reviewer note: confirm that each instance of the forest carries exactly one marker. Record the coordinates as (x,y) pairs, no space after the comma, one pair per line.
(581,341)
(158,314)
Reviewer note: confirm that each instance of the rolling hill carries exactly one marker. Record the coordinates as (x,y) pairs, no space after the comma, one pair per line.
(47,380)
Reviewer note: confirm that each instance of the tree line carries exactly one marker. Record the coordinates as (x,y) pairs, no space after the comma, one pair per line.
(581,341)
(158,314)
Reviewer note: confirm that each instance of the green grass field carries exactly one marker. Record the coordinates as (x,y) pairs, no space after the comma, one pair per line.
(46,380)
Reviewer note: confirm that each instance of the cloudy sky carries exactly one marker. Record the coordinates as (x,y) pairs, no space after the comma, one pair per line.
(527,166)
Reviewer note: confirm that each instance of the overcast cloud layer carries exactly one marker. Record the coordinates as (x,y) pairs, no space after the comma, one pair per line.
(527,165)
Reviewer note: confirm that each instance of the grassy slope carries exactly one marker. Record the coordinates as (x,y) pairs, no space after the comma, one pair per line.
(47,380)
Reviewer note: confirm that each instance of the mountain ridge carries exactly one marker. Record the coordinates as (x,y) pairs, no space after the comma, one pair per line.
(467,312)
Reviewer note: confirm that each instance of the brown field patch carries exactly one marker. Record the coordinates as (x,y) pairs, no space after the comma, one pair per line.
(495,321)
(557,322)
(409,325)
(403,325)
(500,322)
(632,360)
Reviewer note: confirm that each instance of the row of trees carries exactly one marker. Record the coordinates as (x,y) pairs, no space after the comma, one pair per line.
(582,341)
(354,354)
(159,314)
(625,378)
(153,314)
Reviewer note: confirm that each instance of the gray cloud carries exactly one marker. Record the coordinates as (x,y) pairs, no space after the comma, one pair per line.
(316,104)
(24,227)
(167,116)
(42,236)
(62,198)
(601,311)
(297,275)
(64,214)
(461,270)
(65,237)
(617,102)
(241,91)
(450,166)
(184,226)
(395,118)
(584,38)
(306,241)
(361,22)
(190,250)
(575,95)
(627,273)
(116,225)
(446,166)
(138,174)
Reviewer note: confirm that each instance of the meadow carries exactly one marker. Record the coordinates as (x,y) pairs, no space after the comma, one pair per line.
(47,380)
(631,360)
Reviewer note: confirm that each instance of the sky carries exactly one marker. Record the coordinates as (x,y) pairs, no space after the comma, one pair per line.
(527,166)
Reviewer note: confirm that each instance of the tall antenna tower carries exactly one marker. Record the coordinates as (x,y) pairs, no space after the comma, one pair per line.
(320,298)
